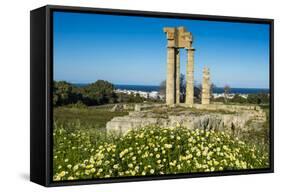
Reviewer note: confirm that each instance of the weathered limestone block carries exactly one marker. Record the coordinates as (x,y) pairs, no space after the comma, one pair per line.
(117,107)
(128,107)
(206,85)
(184,38)
(123,124)
(228,108)
(141,107)
(170,82)
(189,100)
(171,35)
(178,76)
(234,123)
(137,107)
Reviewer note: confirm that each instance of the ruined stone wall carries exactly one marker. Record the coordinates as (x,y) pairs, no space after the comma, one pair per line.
(242,119)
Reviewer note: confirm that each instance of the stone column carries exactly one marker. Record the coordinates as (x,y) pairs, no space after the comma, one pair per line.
(178,76)
(189,100)
(206,85)
(170,82)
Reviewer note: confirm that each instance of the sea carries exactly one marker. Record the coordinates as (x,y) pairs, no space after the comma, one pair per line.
(150,88)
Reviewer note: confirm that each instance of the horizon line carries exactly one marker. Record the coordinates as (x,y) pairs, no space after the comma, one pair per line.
(159,85)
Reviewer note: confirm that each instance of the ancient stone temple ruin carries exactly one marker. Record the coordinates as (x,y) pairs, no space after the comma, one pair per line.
(233,119)
(179,38)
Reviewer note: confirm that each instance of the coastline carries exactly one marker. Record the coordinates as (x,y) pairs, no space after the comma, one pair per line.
(155,88)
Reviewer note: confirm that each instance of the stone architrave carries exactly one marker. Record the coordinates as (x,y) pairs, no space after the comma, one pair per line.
(206,85)
(184,38)
(189,100)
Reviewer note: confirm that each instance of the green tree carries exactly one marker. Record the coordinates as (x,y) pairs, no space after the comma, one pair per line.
(100,92)
(260,98)
(219,99)
(253,98)
(238,99)
(182,88)
(138,98)
(264,98)
(197,92)
(63,93)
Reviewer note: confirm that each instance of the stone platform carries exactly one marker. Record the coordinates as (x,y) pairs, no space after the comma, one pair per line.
(234,119)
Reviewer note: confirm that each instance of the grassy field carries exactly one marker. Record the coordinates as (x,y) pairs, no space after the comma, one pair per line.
(83,150)
(88,118)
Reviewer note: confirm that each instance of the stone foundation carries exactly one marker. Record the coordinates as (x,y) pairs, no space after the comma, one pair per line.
(229,118)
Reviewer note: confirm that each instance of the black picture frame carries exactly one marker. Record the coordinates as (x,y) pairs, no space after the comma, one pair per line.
(41,77)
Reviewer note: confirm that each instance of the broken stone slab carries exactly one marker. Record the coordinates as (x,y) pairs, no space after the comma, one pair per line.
(231,123)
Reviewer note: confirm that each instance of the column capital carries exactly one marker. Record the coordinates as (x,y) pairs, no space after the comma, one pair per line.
(174,47)
(190,49)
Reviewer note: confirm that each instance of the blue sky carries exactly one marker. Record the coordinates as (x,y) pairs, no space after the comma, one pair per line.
(132,50)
